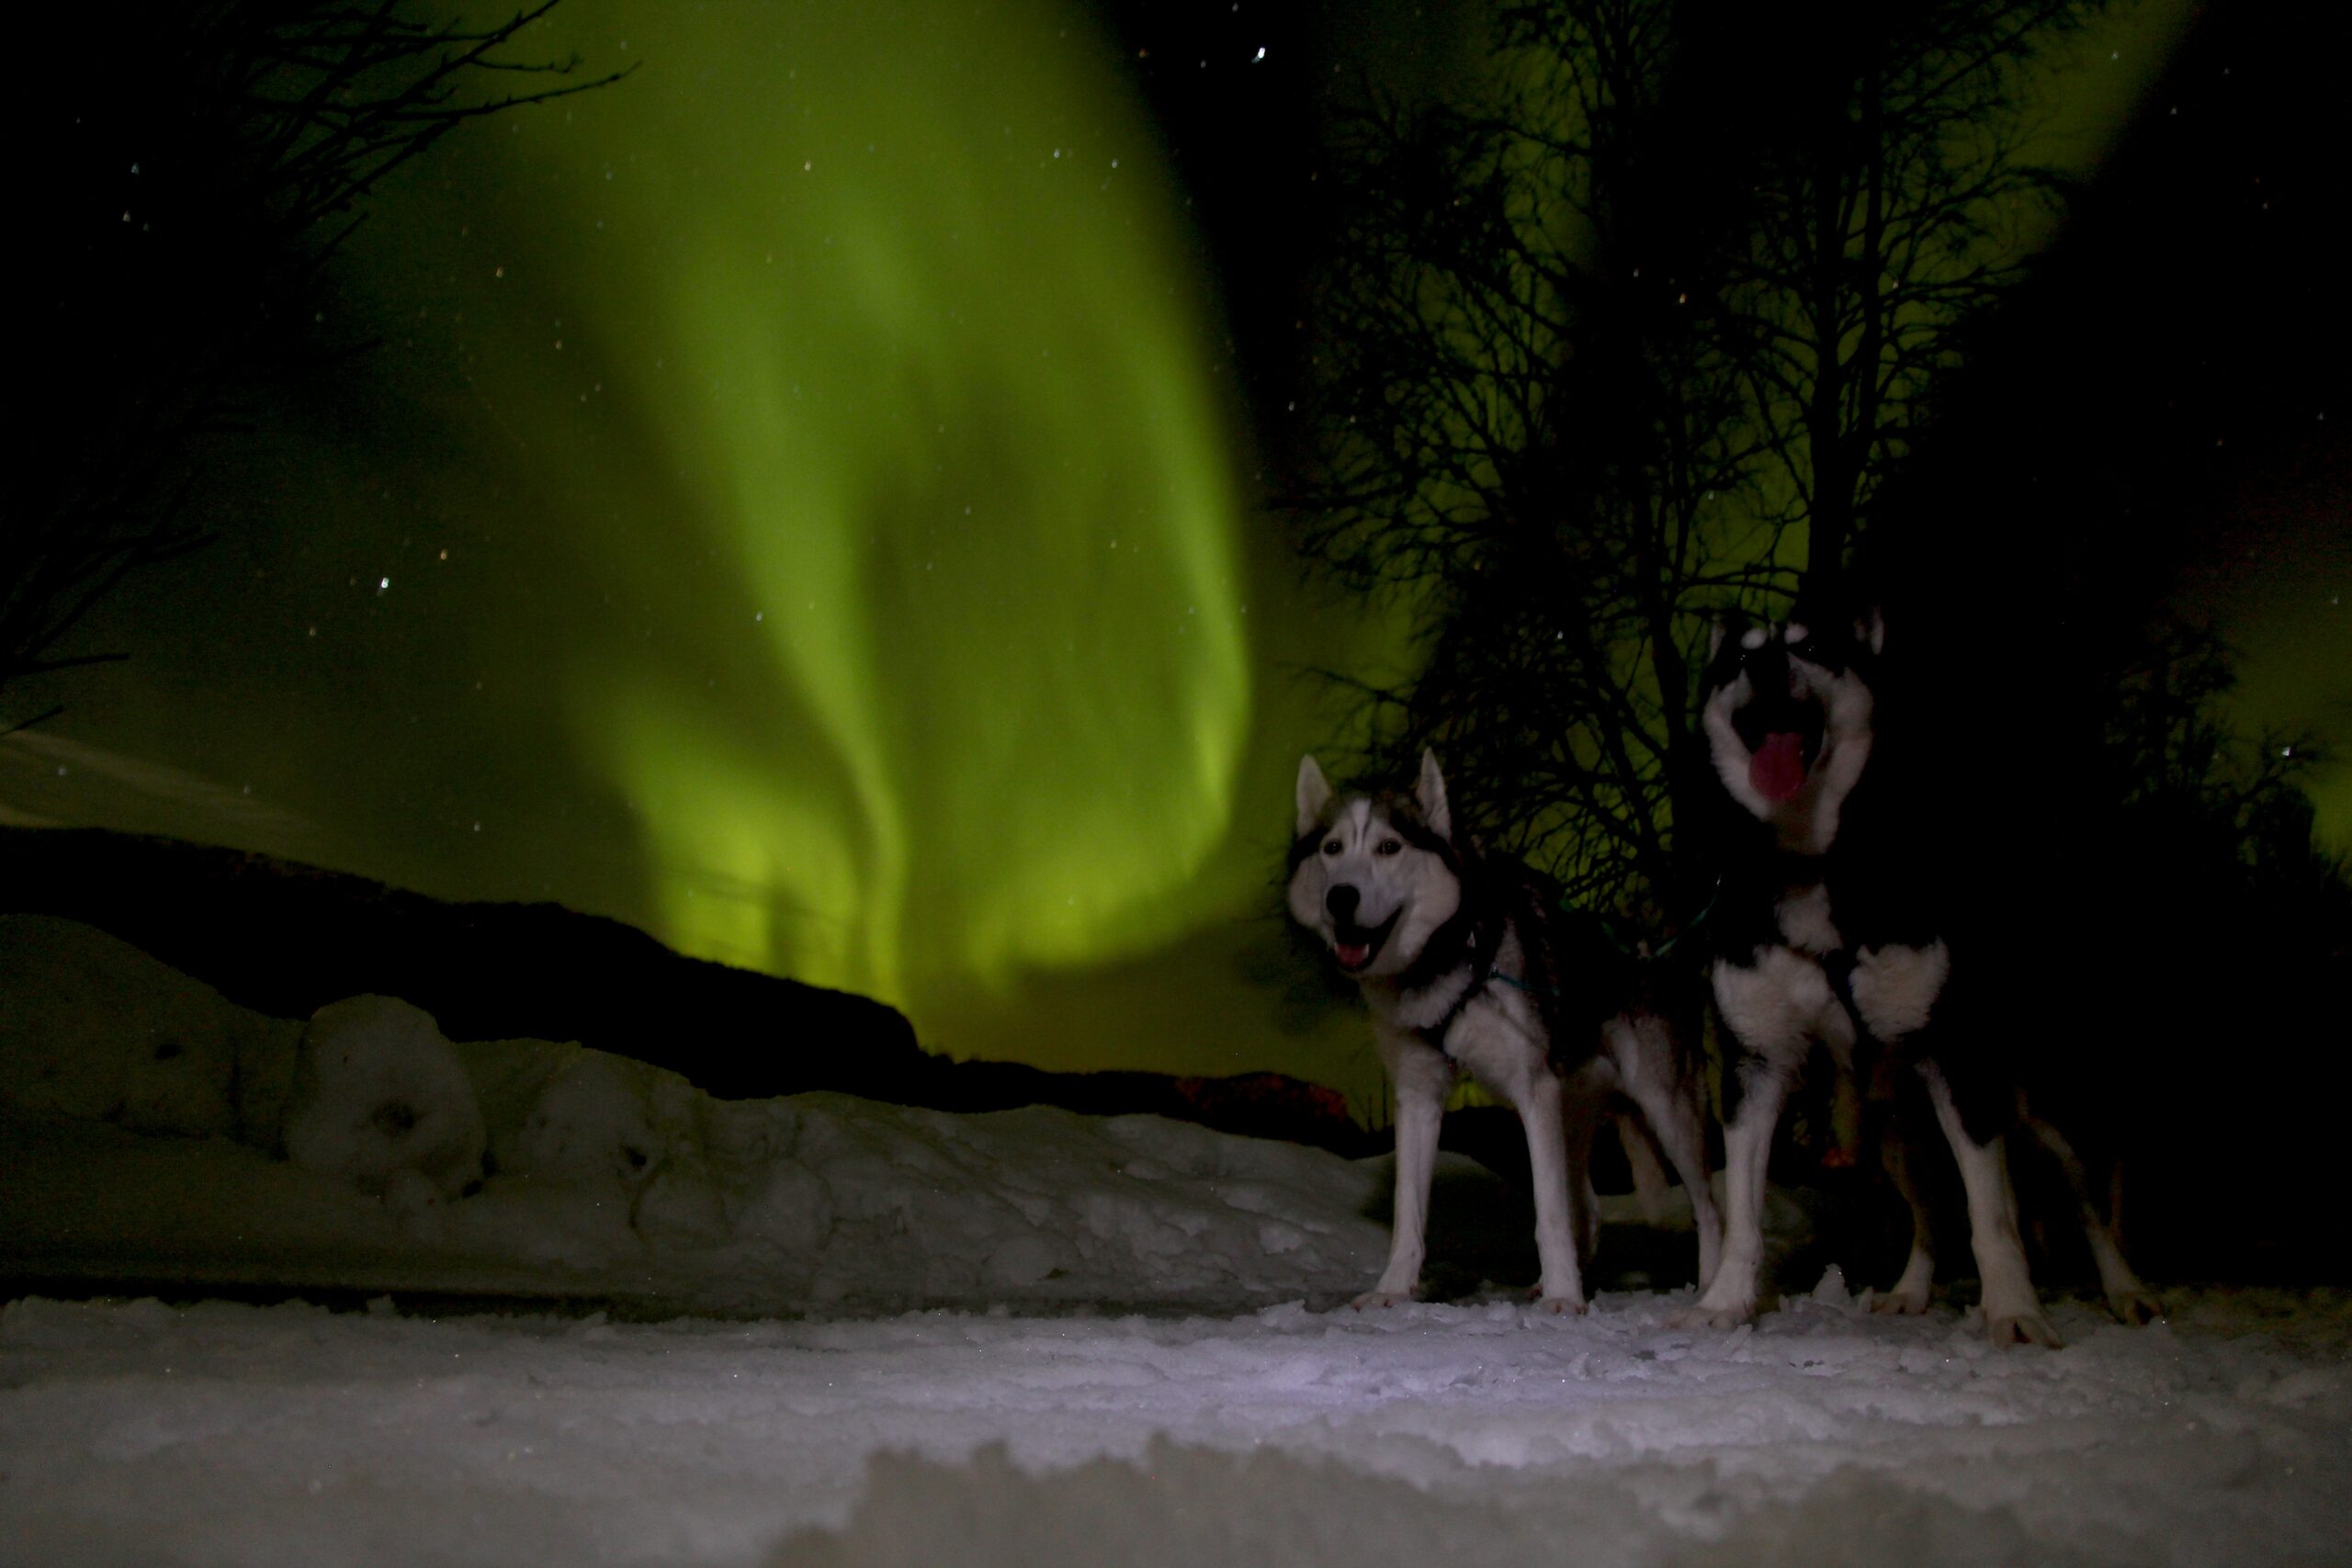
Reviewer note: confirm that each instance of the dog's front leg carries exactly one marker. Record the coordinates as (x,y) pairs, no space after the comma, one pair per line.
(1729,1299)
(1421,1076)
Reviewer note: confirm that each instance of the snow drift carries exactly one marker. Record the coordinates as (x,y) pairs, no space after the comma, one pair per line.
(168,1134)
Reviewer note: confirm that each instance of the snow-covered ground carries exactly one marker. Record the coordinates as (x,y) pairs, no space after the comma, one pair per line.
(1141,1359)
(137,1433)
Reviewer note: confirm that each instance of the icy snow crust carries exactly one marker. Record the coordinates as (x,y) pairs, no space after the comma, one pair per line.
(152,1132)
(1472,1435)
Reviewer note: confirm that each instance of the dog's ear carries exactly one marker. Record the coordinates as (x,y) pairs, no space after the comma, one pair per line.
(1430,795)
(1723,624)
(1314,794)
(1869,631)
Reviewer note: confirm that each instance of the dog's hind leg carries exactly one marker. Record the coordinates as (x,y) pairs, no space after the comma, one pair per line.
(2012,1313)
(1909,1294)
(1421,1077)
(1683,1130)
(2127,1298)
(1581,1112)
(1669,1101)
(1642,1158)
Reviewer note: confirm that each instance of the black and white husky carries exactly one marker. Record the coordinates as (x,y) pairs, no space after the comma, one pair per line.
(1833,927)
(1460,959)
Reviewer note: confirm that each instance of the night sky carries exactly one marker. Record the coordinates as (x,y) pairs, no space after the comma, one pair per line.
(807,498)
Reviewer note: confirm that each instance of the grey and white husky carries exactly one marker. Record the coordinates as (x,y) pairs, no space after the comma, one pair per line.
(1836,925)
(1460,959)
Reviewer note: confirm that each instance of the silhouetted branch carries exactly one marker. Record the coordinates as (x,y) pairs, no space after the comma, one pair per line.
(189,198)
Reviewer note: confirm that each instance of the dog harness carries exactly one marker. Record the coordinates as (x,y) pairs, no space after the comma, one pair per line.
(1435,1033)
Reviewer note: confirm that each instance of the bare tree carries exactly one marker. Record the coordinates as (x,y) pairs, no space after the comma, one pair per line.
(1891,202)
(1605,344)
(2188,779)
(194,166)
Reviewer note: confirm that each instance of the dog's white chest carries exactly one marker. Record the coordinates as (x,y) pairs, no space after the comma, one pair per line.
(1806,923)
(1494,1045)
(1896,988)
(1780,1004)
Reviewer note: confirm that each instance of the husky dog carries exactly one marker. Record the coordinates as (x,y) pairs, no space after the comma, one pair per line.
(1460,958)
(1830,928)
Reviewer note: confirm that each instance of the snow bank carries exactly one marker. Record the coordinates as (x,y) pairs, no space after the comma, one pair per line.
(148,1117)
(93,1028)
(382,1101)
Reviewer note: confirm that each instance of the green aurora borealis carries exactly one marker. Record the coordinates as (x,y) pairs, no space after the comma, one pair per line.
(872,362)
(794,505)
(886,390)
(798,505)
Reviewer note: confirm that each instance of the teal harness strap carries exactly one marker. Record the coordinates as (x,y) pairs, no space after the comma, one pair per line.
(1713,898)
(1614,934)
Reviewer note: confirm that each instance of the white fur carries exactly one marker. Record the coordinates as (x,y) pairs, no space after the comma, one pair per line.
(1780,1005)
(1895,987)
(1496,1035)
(1729,1299)
(1805,918)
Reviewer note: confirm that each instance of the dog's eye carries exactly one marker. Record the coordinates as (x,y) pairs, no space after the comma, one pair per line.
(1390,846)
(1814,653)
(1332,846)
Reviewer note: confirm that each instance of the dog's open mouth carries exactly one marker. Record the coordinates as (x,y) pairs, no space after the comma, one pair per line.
(1776,768)
(1783,742)
(1354,945)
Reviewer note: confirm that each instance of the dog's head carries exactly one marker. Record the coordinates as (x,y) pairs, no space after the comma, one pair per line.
(1373,876)
(1787,714)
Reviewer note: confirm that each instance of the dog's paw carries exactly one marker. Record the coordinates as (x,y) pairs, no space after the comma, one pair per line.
(1727,1303)
(2022,1329)
(1907,1304)
(1564,1306)
(1381,1299)
(1702,1316)
(2136,1306)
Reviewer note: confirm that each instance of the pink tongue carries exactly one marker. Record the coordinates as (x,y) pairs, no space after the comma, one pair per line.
(1777,769)
(1352,957)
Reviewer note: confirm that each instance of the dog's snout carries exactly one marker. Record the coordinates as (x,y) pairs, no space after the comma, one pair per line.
(1341,902)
